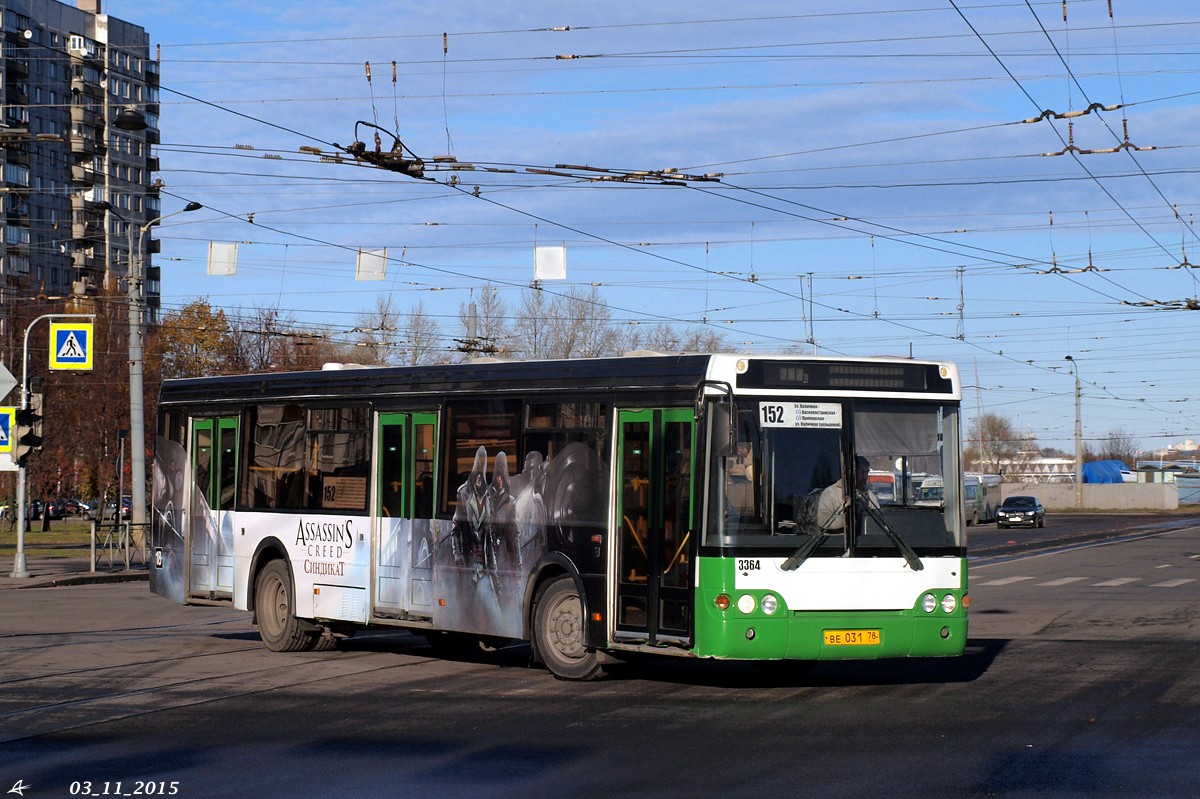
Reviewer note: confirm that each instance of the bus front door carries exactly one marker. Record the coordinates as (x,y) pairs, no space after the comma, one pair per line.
(404,482)
(654,577)
(210,527)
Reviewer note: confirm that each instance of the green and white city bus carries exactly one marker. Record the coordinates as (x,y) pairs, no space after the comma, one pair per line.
(693,505)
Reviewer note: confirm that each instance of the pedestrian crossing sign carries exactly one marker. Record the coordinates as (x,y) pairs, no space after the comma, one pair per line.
(71,345)
(8,424)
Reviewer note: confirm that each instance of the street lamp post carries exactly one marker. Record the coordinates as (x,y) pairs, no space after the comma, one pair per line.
(1078,438)
(137,399)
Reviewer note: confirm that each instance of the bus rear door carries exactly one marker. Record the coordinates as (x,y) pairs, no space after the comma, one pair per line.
(654,576)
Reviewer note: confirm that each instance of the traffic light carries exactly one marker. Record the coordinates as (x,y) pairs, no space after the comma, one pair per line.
(28,435)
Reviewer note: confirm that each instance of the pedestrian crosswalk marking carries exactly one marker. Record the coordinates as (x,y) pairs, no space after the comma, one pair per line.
(1006,580)
(1059,582)
(1116,582)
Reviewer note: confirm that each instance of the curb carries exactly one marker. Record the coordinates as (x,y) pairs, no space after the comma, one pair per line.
(87,579)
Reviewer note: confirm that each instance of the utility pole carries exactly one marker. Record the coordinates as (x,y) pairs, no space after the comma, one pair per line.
(1078,438)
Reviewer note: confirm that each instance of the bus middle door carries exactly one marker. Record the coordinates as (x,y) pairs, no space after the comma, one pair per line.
(654,565)
(214,472)
(404,482)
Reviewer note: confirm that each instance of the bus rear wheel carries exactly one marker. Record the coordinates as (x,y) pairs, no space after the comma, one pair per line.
(558,633)
(275,611)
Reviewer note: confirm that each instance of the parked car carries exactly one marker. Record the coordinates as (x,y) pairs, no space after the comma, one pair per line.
(56,509)
(110,510)
(1021,510)
(75,507)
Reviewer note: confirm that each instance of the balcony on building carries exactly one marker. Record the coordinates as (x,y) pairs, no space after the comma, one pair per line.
(154,246)
(16,216)
(87,230)
(82,144)
(15,66)
(85,261)
(16,153)
(84,173)
(152,76)
(152,163)
(81,85)
(83,115)
(83,202)
(15,93)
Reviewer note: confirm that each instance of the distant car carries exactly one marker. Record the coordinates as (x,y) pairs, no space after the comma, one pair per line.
(1021,510)
(56,509)
(110,509)
(76,507)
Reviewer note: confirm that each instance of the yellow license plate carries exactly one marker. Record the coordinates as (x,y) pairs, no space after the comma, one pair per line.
(851,637)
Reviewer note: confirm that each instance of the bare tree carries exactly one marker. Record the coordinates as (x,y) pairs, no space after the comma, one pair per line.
(257,340)
(423,336)
(531,330)
(484,323)
(581,326)
(1118,445)
(994,445)
(379,332)
(665,337)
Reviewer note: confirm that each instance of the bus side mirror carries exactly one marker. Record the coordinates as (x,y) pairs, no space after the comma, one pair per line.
(724,432)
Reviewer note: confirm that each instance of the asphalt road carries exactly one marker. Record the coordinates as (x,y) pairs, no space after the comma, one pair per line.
(1071,529)
(1081,679)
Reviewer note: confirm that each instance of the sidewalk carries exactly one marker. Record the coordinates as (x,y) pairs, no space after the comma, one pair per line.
(49,572)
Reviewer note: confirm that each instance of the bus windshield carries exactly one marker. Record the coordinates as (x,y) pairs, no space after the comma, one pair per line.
(786,482)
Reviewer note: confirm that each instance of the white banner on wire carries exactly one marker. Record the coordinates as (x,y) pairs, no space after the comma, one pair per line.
(222,258)
(550,263)
(372,265)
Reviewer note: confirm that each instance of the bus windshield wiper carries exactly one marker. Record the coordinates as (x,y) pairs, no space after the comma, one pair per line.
(910,556)
(814,540)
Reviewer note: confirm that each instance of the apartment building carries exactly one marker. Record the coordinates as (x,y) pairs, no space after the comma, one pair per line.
(79,118)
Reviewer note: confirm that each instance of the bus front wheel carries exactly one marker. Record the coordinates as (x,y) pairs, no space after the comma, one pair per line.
(275,611)
(558,633)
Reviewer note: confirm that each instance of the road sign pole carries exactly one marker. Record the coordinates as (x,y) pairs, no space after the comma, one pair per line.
(20,568)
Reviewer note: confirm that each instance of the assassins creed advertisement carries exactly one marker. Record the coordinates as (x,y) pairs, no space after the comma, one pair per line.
(468,573)
(504,522)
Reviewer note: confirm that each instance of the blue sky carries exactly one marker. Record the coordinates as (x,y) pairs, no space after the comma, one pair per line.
(874,149)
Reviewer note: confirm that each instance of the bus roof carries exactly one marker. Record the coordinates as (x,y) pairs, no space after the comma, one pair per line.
(670,373)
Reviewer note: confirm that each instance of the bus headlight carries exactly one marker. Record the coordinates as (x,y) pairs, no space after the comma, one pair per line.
(929,603)
(949,603)
(746,603)
(769,604)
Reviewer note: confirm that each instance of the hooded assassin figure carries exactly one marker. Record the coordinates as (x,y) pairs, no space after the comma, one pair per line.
(531,512)
(501,523)
(466,537)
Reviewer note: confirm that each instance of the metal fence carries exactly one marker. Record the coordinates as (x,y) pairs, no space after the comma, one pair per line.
(120,546)
(1189,490)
